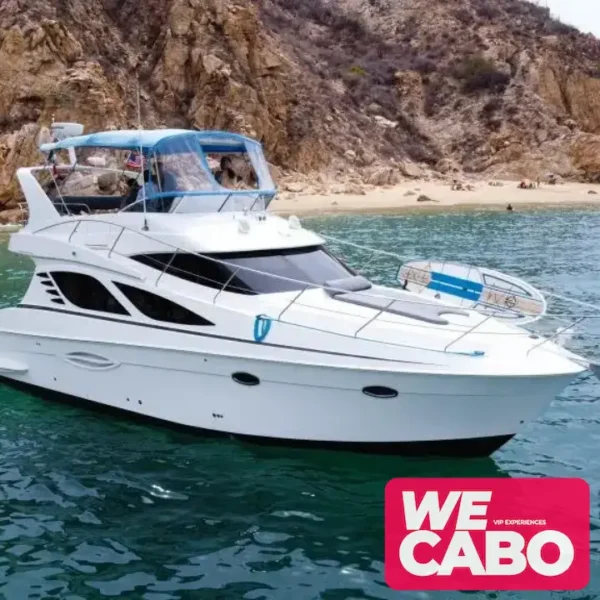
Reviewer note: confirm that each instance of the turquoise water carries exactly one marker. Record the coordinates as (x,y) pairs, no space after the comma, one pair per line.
(97,507)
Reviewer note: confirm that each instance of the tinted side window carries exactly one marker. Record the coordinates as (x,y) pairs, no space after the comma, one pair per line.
(160,309)
(196,269)
(87,292)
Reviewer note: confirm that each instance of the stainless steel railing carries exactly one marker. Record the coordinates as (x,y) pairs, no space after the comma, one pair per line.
(235,269)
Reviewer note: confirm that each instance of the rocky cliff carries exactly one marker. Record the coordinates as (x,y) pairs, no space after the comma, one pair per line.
(376,89)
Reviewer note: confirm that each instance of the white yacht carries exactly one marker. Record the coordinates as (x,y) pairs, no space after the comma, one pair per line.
(186,301)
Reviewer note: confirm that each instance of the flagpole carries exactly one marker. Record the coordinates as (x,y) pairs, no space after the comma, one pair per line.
(139,114)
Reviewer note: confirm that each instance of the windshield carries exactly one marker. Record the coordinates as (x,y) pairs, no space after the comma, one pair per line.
(312,265)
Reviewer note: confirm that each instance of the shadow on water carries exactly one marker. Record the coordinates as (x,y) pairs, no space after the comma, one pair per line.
(228,515)
(318,462)
(380,468)
(130,507)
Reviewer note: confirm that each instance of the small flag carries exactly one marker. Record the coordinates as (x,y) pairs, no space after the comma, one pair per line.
(134,161)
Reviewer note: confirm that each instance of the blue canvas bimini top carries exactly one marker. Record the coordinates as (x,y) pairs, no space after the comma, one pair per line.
(184,154)
(149,139)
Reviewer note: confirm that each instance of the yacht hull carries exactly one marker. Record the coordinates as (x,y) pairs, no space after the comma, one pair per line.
(479,447)
(293,404)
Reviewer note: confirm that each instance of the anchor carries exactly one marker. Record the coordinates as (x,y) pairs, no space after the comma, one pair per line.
(262,326)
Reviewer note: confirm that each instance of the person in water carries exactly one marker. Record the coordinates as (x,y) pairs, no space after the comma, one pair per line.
(509,208)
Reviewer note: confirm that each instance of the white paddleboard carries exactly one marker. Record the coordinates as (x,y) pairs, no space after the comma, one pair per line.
(466,286)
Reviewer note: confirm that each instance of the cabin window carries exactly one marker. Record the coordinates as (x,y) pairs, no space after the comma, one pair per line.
(87,292)
(159,308)
(312,265)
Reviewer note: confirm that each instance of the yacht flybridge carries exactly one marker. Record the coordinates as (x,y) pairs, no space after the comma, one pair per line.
(164,287)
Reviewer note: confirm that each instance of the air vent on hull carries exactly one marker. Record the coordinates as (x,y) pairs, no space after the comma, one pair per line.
(87,360)
(245,379)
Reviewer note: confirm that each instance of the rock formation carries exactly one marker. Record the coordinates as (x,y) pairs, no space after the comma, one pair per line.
(369,89)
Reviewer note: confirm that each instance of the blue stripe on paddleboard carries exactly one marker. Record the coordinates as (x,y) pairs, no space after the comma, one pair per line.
(456,281)
(454,291)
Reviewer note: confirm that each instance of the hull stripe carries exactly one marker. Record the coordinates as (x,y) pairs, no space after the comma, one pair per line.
(220,337)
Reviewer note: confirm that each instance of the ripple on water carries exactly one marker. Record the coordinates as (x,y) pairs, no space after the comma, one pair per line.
(94,507)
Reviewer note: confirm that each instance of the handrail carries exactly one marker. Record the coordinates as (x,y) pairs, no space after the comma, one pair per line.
(80,204)
(272,275)
(402,261)
(292,302)
(229,264)
(115,242)
(80,167)
(181,194)
(167,267)
(51,171)
(74,230)
(377,315)
(306,285)
(254,194)
(556,335)
(224,202)
(233,274)
(466,333)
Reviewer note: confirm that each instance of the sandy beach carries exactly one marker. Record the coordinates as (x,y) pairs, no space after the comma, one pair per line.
(404,197)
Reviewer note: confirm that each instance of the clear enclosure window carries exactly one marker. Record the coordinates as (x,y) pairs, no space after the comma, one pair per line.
(181,172)
(233,170)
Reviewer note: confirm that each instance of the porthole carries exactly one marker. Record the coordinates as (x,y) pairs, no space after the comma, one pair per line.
(57,300)
(380,391)
(42,275)
(245,379)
